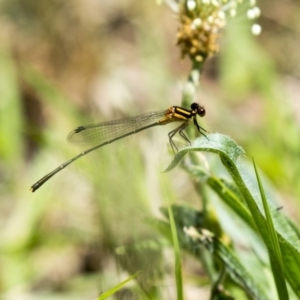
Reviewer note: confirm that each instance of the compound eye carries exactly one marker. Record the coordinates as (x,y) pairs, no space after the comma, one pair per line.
(195,106)
(201,111)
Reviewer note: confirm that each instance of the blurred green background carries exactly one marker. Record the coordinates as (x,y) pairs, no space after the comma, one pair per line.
(69,63)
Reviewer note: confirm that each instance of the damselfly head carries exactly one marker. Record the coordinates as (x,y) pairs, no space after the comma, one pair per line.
(197,109)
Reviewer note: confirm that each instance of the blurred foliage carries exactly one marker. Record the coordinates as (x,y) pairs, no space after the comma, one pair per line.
(69,63)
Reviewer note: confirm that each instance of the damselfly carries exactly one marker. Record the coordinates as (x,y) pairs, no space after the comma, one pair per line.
(104,133)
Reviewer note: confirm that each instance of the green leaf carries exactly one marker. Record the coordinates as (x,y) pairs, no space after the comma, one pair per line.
(229,152)
(217,143)
(178,270)
(275,253)
(194,240)
(289,251)
(116,288)
(234,268)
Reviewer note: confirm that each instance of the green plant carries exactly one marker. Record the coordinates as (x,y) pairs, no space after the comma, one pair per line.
(66,64)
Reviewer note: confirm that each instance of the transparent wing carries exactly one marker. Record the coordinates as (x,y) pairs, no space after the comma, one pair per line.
(95,134)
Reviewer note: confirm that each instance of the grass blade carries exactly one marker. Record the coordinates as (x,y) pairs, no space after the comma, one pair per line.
(178,269)
(117,287)
(275,253)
